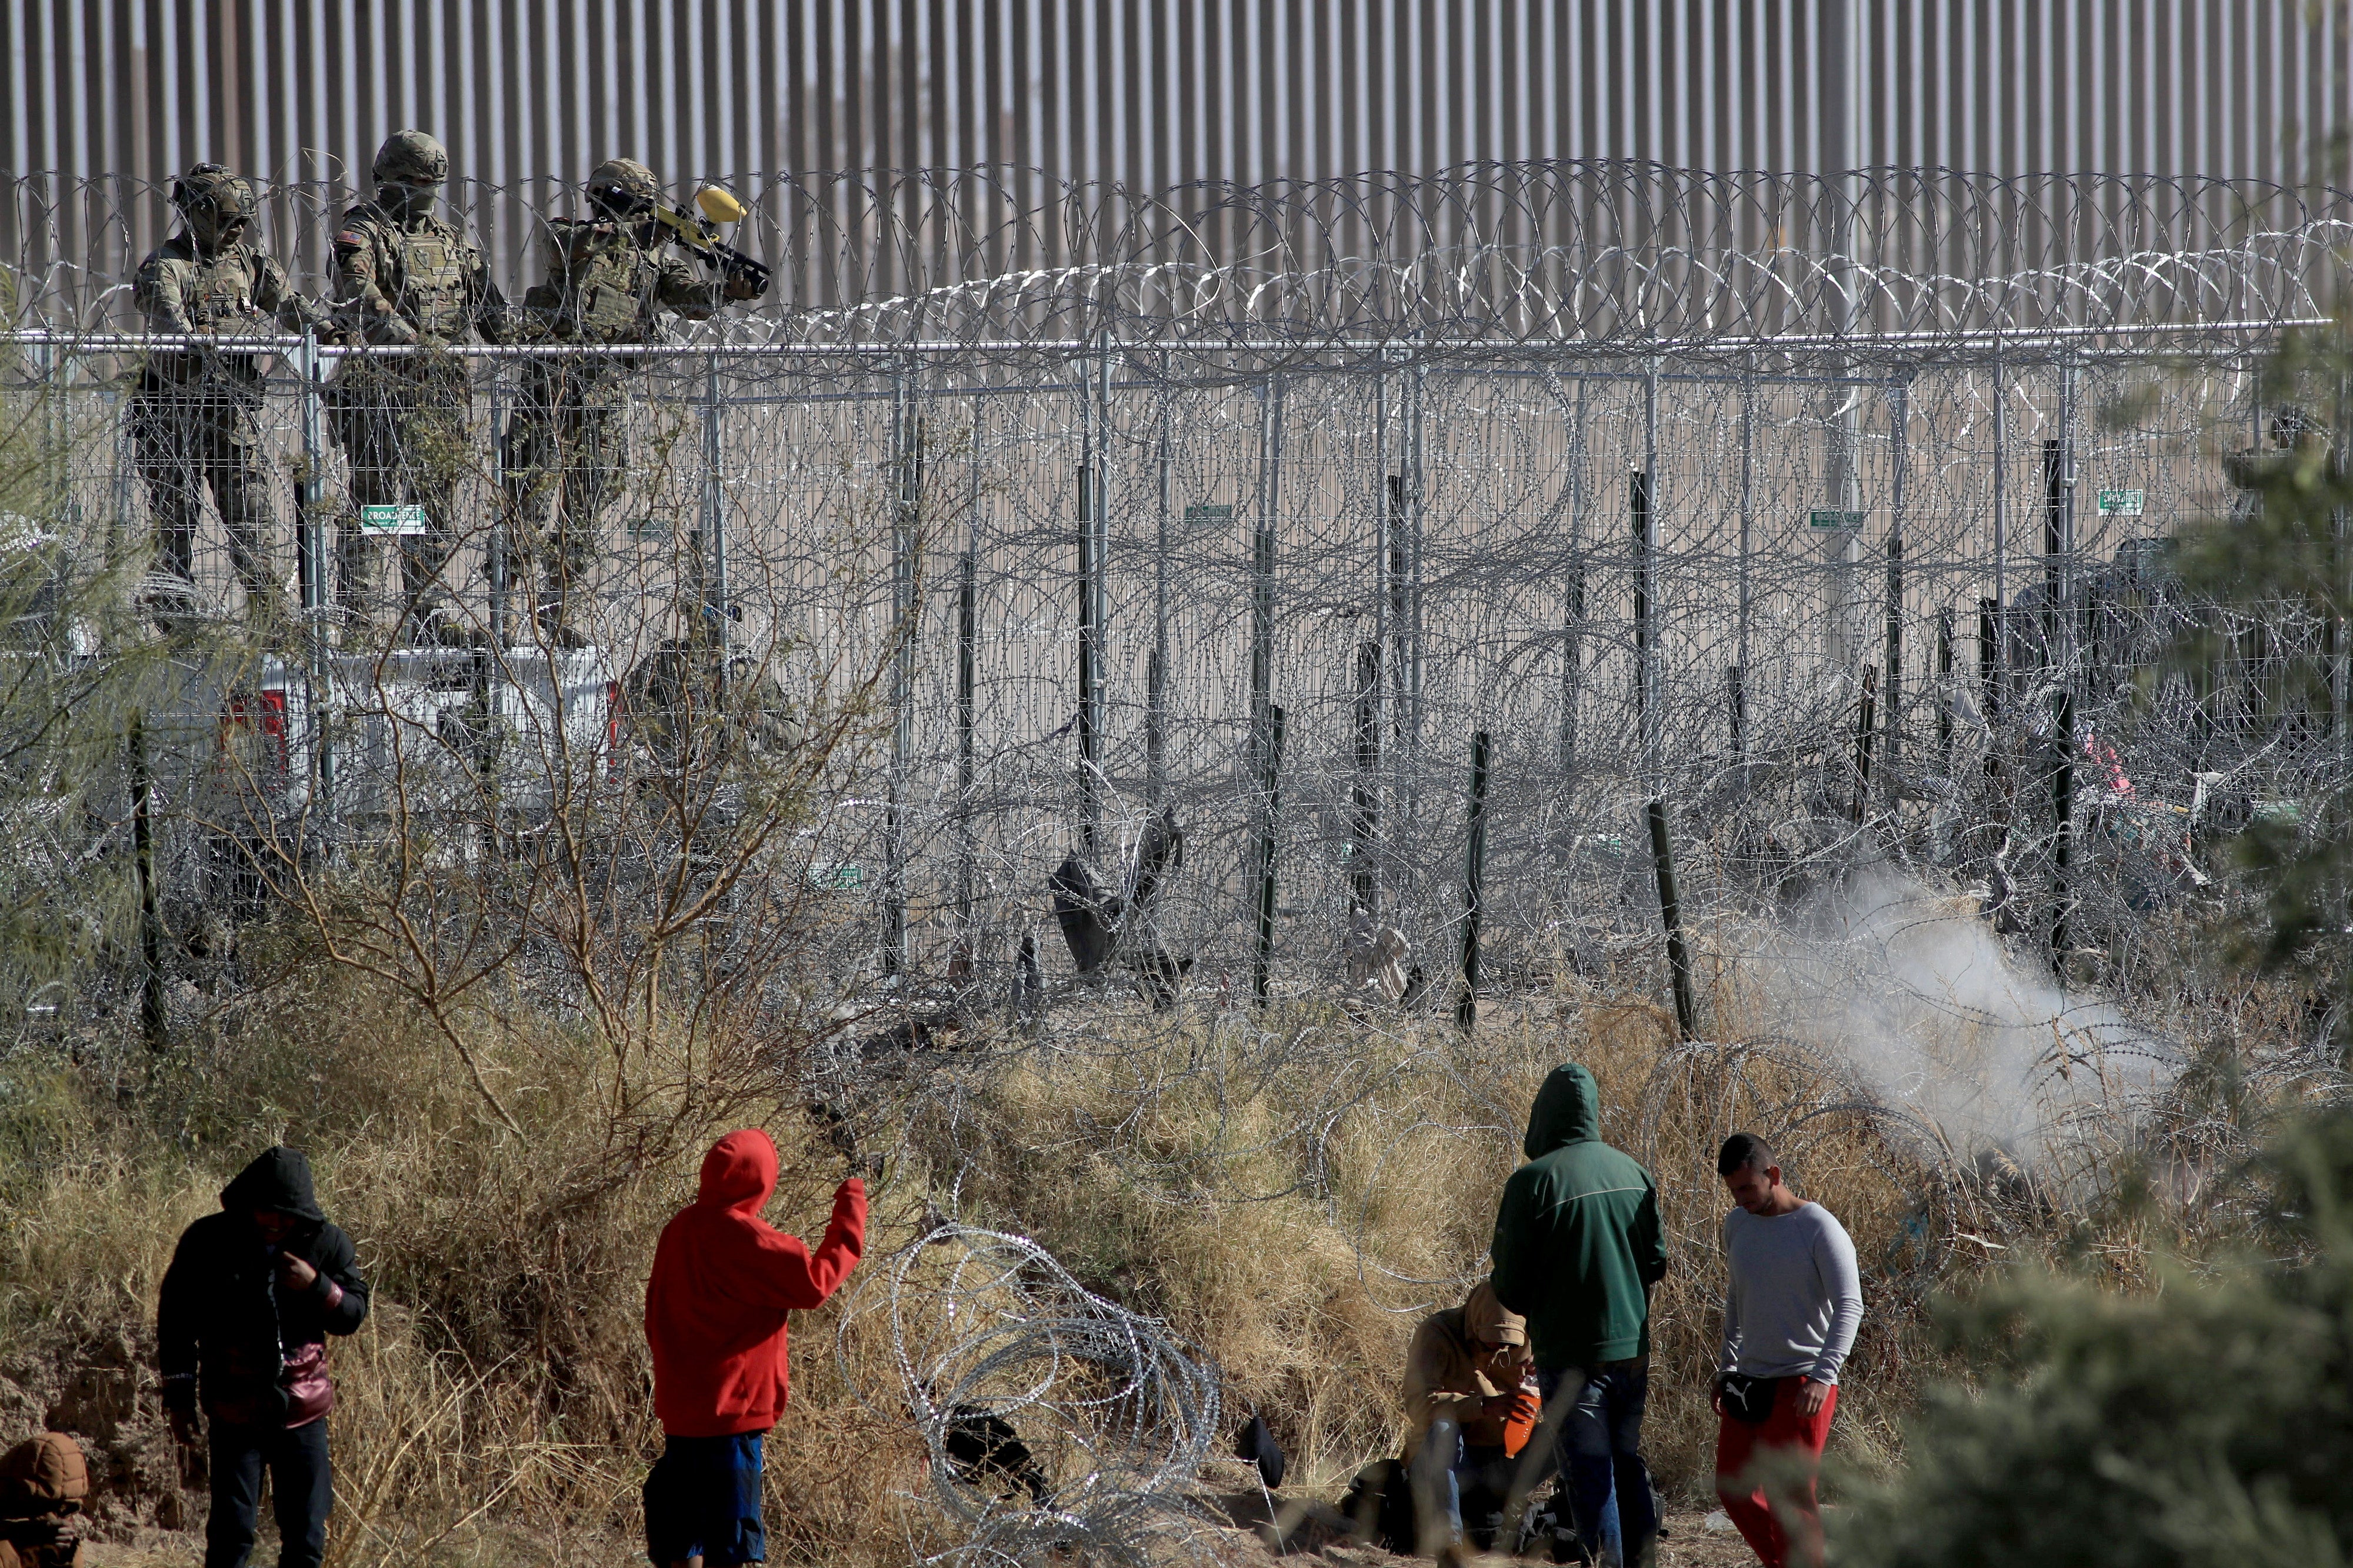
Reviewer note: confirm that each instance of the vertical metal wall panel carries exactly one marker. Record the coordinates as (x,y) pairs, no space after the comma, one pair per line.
(108,98)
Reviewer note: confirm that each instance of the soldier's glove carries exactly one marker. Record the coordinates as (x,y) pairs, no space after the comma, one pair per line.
(742,286)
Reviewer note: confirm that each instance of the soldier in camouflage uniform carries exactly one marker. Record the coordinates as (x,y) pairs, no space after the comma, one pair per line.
(192,414)
(405,277)
(607,282)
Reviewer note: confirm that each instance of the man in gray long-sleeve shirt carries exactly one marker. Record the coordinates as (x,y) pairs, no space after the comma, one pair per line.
(1791,1311)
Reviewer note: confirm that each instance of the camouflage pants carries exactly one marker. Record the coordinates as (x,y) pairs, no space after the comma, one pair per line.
(182,452)
(567,448)
(407,443)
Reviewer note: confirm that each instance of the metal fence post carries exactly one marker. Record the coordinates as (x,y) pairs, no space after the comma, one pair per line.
(1671,914)
(1262,558)
(1891,686)
(496,545)
(1271,792)
(1415,503)
(717,608)
(1155,694)
(906,522)
(1093,522)
(153,1023)
(967,642)
(2058,542)
(315,578)
(1474,878)
(1364,820)
(1572,655)
(1646,707)
(1736,678)
(1643,500)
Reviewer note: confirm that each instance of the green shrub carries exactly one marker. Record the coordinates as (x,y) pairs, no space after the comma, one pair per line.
(2208,1422)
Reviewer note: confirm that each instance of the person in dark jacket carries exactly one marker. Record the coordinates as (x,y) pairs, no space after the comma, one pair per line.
(1576,1251)
(247,1306)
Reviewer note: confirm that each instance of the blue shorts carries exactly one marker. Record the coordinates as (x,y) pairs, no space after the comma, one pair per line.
(702,1499)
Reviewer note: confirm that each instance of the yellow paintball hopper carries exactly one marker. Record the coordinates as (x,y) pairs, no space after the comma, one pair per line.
(695,236)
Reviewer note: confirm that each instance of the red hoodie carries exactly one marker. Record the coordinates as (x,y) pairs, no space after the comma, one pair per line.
(724,1280)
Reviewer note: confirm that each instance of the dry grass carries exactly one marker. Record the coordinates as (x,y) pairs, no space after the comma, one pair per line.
(1289,1188)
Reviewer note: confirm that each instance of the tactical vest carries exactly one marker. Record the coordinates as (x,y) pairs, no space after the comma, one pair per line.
(437,268)
(219,294)
(221,289)
(600,282)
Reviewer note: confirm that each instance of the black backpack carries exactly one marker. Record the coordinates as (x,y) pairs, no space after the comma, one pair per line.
(1379,1506)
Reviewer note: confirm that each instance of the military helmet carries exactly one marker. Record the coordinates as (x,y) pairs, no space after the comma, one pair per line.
(411,158)
(214,191)
(623,185)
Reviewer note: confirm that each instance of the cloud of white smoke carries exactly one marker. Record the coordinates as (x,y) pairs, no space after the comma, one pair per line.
(1917,995)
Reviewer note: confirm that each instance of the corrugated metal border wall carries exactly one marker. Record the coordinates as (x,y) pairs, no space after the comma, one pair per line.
(1148,95)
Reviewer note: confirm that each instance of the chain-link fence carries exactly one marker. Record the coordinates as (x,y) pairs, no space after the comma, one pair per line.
(1401,586)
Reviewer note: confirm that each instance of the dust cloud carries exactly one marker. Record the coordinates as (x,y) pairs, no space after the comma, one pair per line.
(1932,1016)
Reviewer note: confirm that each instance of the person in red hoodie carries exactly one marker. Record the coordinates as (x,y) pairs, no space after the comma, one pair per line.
(722,1282)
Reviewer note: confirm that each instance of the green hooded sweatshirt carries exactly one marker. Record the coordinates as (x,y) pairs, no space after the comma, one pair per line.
(1576,1240)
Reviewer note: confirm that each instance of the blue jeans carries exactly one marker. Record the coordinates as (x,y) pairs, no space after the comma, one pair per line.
(301,1485)
(1598,1446)
(702,1499)
(1443,1468)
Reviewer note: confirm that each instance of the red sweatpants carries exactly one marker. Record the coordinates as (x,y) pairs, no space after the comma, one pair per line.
(1738,1445)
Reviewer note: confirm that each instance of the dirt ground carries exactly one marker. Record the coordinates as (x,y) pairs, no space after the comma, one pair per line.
(1689,1543)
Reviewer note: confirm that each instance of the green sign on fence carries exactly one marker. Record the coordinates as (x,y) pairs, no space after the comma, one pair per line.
(1208,514)
(2122,503)
(405,517)
(1835,521)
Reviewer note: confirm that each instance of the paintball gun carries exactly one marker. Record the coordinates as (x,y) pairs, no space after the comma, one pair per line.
(699,237)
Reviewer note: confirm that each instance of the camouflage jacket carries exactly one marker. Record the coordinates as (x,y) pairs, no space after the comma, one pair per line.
(239,292)
(609,283)
(417,281)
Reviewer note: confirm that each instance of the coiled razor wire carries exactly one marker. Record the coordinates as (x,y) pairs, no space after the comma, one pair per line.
(1054,1421)
(1579,256)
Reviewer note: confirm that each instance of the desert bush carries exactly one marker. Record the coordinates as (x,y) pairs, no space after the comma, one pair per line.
(2207,1423)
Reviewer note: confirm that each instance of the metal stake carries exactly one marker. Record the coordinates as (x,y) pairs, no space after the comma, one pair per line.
(153,1024)
(967,641)
(1737,683)
(1572,653)
(1270,786)
(907,471)
(1364,823)
(316,581)
(1891,684)
(1663,860)
(717,608)
(1155,695)
(1474,875)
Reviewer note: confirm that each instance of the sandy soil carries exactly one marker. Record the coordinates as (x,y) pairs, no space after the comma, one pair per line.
(1689,1544)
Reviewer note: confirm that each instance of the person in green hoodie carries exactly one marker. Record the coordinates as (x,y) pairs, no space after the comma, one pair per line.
(1576,1250)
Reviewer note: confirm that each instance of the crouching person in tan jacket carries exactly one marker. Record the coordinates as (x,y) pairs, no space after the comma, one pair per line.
(1470,1402)
(44,1486)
